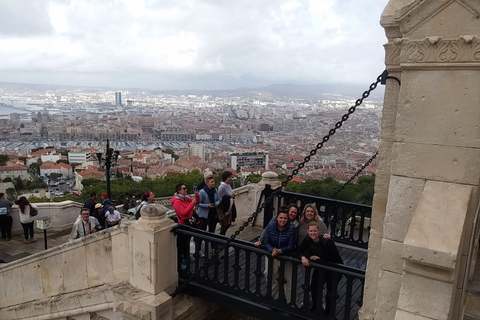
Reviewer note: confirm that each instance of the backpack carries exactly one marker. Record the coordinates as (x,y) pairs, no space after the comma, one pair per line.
(137,213)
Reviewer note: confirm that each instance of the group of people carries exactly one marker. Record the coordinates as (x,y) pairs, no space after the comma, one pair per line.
(25,212)
(306,237)
(215,206)
(95,217)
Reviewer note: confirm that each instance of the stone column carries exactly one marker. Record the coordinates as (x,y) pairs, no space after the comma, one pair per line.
(154,251)
(270,178)
(429,168)
(154,268)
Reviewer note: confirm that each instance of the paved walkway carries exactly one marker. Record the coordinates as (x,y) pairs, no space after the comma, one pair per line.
(16,249)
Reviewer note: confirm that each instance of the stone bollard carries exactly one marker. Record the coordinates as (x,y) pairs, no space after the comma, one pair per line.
(154,251)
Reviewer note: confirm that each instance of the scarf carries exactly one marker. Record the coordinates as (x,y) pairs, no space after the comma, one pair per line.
(210,193)
(183,197)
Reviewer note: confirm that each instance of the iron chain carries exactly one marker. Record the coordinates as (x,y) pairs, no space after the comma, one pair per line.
(366,164)
(300,166)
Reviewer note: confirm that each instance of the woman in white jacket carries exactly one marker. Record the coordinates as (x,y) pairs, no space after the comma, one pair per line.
(24,207)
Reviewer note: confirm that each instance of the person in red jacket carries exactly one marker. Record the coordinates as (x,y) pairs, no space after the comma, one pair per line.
(184,206)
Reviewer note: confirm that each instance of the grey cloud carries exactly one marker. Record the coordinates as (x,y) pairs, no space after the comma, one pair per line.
(24,18)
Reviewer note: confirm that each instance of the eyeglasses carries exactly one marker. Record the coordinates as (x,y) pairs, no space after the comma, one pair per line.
(184,188)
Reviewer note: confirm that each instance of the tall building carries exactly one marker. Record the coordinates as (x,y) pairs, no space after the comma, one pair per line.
(197,150)
(118,98)
(249,160)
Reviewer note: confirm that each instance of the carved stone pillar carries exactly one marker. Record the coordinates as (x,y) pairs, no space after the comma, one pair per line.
(154,253)
(429,161)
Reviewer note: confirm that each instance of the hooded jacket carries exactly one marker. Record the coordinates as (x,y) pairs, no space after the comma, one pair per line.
(183,208)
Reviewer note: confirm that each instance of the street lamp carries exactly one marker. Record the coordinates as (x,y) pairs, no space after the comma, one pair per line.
(110,160)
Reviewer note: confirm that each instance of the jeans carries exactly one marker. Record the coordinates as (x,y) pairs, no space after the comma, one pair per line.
(27,230)
(6,226)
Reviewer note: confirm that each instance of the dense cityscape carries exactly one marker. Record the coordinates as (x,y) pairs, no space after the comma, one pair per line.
(158,134)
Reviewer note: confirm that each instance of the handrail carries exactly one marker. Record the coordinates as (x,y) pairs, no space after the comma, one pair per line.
(244,272)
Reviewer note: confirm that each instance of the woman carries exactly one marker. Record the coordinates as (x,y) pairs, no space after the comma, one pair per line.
(26,219)
(316,248)
(227,198)
(182,203)
(183,206)
(147,198)
(292,210)
(310,214)
(279,239)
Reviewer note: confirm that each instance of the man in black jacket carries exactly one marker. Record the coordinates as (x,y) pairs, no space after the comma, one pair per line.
(90,202)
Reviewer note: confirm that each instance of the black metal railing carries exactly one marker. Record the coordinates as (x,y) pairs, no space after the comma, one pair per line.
(243,272)
(348,222)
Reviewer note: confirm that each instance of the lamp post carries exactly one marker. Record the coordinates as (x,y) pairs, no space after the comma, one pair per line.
(110,160)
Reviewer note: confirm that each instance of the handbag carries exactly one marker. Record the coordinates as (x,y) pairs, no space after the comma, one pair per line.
(33,211)
(194,221)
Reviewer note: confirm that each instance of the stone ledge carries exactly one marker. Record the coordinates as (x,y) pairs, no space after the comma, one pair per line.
(434,235)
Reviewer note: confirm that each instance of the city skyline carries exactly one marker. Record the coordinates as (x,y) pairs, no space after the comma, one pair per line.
(200,45)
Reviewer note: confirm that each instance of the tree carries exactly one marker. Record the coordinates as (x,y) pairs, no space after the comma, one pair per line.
(35,184)
(7,179)
(11,194)
(3,159)
(64,161)
(34,168)
(54,176)
(18,183)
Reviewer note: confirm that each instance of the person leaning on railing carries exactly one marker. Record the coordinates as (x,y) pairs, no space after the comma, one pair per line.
(84,226)
(314,248)
(280,239)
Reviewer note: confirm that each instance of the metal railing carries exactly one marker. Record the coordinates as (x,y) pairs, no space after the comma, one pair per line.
(243,272)
(348,222)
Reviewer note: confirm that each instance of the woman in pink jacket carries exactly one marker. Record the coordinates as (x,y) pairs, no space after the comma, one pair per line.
(184,206)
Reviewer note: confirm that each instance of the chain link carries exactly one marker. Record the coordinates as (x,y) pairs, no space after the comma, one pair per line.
(300,166)
(366,164)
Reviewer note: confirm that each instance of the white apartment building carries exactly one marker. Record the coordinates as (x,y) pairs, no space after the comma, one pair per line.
(197,150)
(54,157)
(249,160)
(78,157)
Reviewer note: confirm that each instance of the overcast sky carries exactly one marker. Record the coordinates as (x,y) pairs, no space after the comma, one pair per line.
(191,44)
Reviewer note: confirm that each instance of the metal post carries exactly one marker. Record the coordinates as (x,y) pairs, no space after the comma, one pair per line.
(45,237)
(108,158)
(268,210)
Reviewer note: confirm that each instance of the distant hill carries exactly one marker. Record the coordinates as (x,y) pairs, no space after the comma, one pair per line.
(320,91)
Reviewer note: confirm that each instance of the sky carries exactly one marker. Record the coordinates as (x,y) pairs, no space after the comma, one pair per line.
(191,44)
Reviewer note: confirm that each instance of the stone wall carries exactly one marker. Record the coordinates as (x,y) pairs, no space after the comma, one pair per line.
(62,215)
(426,188)
(68,279)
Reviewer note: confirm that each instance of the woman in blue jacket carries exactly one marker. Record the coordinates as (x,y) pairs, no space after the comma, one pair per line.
(280,239)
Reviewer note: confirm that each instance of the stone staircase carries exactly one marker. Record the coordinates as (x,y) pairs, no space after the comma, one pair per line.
(472,303)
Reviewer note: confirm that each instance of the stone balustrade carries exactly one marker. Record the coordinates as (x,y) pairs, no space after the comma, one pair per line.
(62,215)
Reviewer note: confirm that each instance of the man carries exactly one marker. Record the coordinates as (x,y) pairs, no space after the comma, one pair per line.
(112,216)
(99,215)
(5,217)
(90,202)
(84,226)
(280,239)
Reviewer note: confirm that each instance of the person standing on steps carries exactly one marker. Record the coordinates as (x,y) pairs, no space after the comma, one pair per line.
(27,220)
(5,217)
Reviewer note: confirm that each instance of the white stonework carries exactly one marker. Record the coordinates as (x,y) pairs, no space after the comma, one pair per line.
(426,189)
